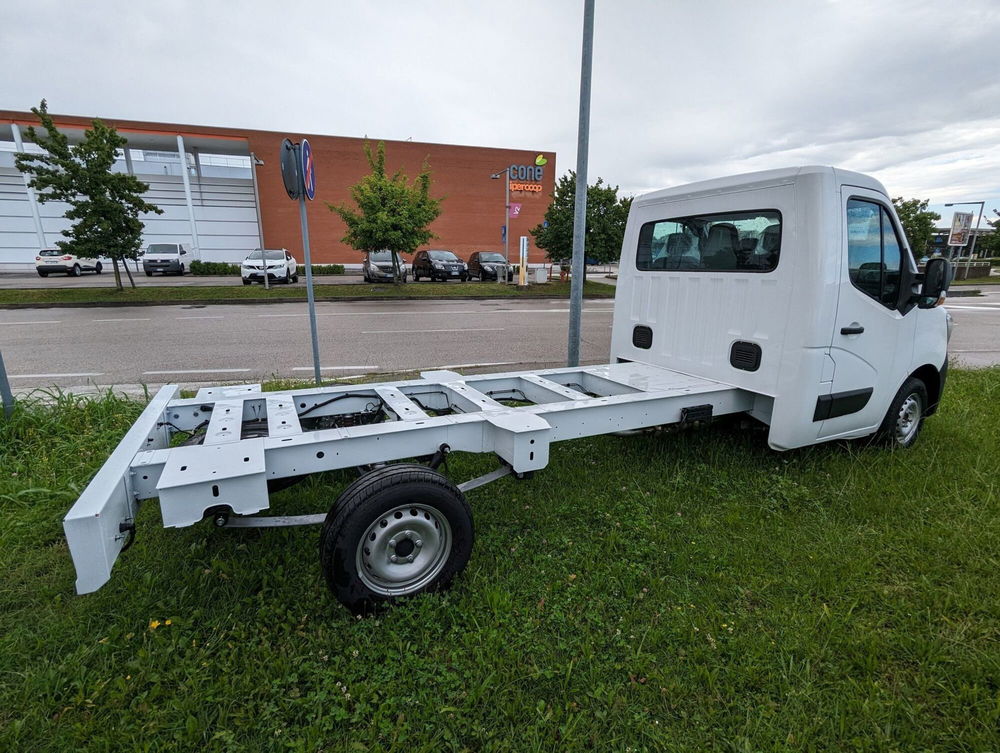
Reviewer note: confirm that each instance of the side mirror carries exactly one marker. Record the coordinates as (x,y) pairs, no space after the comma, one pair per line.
(937,277)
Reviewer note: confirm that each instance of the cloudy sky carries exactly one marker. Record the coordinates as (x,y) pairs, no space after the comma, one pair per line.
(904,89)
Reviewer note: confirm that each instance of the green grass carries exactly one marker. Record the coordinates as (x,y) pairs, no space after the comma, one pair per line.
(237,294)
(977,281)
(682,592)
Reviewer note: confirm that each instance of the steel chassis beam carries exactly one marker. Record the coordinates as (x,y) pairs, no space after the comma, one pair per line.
(515,416)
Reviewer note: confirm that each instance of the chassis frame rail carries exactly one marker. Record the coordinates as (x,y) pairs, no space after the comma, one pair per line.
(515,416)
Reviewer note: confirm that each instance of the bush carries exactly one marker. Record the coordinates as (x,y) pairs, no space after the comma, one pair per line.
(214,268)
(328,269)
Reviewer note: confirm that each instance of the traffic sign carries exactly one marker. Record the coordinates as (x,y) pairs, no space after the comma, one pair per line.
(308,170)
(290,169)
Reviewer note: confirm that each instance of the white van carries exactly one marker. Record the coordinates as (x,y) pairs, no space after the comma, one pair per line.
(788,295)
(797,285)
(167,258)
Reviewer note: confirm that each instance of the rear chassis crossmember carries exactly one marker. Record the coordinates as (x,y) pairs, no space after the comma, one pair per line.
(515,416)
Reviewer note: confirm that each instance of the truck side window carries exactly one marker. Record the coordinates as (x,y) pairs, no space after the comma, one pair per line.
(727,242)
(874,254)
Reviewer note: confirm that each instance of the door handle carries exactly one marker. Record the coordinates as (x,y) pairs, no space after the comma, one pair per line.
(854,329)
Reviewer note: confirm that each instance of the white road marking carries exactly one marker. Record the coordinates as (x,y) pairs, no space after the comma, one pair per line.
(333,368)
(197,371)
(55,376)
(403,312)
(199,317)
(46,321)
(121,320)
(424,331)
(974,308)
(472,365)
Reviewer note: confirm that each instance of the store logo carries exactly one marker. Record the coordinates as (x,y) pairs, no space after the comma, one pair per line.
(540,160)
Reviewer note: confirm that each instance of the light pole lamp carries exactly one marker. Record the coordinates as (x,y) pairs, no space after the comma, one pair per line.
(506,208)
(982,204)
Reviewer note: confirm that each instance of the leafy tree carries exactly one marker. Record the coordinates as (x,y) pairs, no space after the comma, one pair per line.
(394,214)
(989,243)
(918,223)
(104,206)
(606,215)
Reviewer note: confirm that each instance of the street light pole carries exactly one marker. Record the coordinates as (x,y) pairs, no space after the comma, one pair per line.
(975,234)
(506,209)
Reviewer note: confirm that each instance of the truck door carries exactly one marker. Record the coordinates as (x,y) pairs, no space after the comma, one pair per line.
(872,340)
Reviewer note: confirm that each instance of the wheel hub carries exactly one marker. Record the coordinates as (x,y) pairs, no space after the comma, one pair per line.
(908,419)
(404,549)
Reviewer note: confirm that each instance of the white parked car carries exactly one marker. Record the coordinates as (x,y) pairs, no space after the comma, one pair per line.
(281,266)
(54,260)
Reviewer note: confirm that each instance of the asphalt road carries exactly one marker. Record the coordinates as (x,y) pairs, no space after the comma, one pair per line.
(195,344)
(192,344)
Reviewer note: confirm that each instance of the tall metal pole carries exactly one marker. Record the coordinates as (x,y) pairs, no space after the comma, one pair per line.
(506,214)
(580,211)
(309,287)
(972,247)
(6,396)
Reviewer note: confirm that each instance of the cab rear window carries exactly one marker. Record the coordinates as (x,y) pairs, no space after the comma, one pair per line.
(727,242)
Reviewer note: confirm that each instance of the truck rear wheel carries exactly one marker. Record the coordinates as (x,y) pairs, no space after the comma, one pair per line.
(905,417)
(397,531)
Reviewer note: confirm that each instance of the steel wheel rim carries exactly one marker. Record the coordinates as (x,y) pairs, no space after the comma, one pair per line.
(908,419)
(404,550)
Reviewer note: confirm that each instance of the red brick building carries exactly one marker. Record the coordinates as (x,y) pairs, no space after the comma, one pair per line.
(211,208)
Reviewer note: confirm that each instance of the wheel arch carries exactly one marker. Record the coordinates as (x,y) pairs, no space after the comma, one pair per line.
(933,379)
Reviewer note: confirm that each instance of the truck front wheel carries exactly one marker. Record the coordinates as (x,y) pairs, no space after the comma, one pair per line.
(905,417)
(397,531)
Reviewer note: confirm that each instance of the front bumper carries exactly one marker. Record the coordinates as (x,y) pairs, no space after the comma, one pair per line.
(257,275)
(161,266)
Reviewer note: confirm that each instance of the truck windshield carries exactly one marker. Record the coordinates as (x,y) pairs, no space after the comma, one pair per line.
(730,242)
(272,255)
(162,248)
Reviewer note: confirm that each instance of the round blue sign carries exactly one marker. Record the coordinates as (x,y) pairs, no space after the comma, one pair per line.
(308,170)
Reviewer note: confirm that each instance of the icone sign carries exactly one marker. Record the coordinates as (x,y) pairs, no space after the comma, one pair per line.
(522,173)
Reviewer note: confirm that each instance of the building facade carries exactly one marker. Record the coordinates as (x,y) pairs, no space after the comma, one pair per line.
(222,192)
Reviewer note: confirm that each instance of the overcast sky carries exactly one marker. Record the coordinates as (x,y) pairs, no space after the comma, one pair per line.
(908,91)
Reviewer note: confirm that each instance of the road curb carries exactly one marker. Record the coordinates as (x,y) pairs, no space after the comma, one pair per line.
(963,293)
(257,301)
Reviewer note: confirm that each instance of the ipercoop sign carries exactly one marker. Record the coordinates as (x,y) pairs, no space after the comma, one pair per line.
(527,177)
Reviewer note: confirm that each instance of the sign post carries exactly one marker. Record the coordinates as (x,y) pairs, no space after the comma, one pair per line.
(522,270)
(961,226)
(299,174)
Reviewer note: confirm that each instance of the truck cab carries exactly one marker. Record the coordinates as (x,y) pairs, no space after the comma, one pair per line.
(797,285)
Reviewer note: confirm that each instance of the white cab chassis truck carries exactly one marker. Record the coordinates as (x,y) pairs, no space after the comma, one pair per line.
(789,295)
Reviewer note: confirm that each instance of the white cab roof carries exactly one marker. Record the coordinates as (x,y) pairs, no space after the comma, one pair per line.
(762,179)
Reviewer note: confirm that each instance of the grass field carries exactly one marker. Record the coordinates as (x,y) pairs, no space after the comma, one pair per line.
(679,592)
(230,294)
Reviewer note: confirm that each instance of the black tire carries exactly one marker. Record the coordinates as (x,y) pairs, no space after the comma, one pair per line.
(42,274)
(295,278)
(149,274)
(416,277)
(181,273)
(75,271)
(99,268)
(426,505)
(902,423)
(247,282)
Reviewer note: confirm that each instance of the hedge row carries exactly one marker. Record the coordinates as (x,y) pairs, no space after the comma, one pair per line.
(221,268)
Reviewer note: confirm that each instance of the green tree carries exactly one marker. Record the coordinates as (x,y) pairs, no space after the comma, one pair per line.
(393,214)
(989,243)
(104,206)
(918,223)
(606,216)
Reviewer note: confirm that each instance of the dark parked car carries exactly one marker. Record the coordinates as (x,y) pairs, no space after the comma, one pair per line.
(439,265)
(377,267)
(488,265)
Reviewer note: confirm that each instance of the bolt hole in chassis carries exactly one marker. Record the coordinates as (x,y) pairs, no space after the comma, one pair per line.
(218,455)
